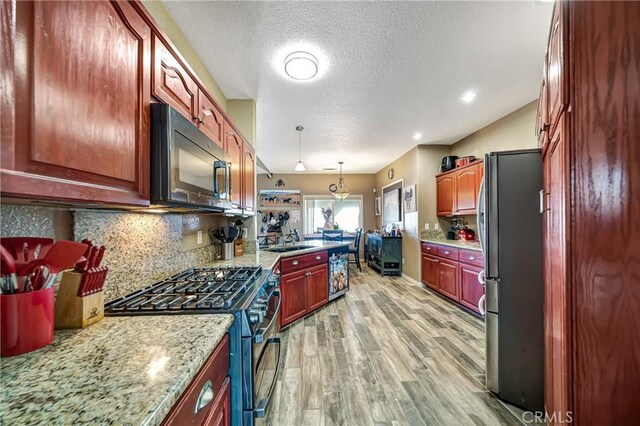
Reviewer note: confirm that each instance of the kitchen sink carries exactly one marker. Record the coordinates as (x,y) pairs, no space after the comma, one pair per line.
(285,249)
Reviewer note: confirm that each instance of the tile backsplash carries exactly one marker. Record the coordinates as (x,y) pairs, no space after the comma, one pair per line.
(142,248)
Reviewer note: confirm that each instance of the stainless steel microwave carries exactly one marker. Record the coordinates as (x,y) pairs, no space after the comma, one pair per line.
(188,170)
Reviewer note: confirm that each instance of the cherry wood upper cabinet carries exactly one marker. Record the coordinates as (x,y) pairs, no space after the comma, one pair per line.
(248,177)
(172,84)
(80,78)
(233,147)
(556,66)
(457,190)
(542,113)
(467,185)
(445,195)
(210,119)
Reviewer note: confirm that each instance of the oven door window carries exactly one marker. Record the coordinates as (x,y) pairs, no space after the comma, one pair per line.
(193,171)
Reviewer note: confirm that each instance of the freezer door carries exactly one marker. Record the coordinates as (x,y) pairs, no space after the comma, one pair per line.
(491,359)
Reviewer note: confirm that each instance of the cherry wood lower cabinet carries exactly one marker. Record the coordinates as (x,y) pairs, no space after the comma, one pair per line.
(304,285)
(453,273)
(207,399)
(75,101)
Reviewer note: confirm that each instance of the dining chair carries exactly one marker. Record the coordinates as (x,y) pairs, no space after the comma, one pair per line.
(355,250)
(332,235)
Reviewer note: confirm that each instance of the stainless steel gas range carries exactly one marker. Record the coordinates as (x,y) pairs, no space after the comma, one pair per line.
(249,293)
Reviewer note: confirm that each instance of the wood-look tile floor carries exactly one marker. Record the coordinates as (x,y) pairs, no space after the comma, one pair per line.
(388,353)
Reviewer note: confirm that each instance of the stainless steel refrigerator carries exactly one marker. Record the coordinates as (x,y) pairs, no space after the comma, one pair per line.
(510,230)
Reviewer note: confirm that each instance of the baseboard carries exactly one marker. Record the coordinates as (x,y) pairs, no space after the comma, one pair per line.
(411,280)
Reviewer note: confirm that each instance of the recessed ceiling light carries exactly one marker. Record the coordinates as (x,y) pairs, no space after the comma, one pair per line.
(469,97)
(301,65)
(417,136)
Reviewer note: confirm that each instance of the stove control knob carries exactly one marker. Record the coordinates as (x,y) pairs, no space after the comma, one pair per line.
(254,318)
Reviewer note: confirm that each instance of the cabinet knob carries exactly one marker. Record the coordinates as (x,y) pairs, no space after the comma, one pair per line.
(318,257)
(295,262)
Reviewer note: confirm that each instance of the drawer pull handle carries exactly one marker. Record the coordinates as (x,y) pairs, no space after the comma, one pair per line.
(318,257)
(295,262)
(446,252)
(472,258)
(205,397)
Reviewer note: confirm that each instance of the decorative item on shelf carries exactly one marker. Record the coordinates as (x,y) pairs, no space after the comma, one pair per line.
(279,198)
(300,167)
(342,191)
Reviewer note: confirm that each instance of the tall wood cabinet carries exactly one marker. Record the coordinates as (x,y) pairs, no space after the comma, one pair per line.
(75,101)
(589,131)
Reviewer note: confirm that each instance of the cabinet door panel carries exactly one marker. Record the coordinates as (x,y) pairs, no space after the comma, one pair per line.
(212,121)
(220,413)
(294,296)
(470,289)
(448,279)
(430,271)
(82,103)
(466,190)
(557,296)
(445,195)
(556,68)
(248,177)
(233,146)
(171,82)
(317,287)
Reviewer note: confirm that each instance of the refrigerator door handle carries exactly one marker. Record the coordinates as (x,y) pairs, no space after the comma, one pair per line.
(480,217)
(481,305)
(482,279)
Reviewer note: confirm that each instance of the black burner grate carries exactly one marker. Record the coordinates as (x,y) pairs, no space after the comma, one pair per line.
(194,289)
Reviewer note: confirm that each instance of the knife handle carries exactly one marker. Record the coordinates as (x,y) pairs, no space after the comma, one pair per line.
(99,256)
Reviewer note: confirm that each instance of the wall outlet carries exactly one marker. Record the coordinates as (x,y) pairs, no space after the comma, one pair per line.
(426,226)
(403,260)
(199,237)
(436,226)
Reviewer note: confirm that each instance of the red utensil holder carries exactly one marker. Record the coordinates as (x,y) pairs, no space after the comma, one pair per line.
(26,321)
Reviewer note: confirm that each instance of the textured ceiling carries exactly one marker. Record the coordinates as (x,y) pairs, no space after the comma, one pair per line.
(387,70)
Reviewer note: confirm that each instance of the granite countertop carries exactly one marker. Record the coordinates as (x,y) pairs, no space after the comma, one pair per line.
(468,245)
(122,370)
(268,259)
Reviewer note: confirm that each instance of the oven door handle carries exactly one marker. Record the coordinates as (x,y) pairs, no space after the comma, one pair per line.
(261,406)
(259,337)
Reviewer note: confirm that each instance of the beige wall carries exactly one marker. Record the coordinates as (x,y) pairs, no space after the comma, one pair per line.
(318,184)
(513,131)
(243,114)
(177,37)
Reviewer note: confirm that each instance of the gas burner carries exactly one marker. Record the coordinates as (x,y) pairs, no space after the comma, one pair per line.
(197,289)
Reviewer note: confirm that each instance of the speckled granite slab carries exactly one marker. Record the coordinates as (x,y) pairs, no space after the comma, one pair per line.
(268,259)
(122,370)
(455,243)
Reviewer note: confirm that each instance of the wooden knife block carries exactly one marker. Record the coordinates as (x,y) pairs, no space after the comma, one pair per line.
(73,311)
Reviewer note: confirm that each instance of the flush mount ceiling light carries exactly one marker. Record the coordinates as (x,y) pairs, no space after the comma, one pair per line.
(300,167)
(301,65)
(469,97)
(342,191)
(417,136)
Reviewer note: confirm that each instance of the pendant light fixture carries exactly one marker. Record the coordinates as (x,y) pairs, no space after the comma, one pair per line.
(342,192)
(300,167)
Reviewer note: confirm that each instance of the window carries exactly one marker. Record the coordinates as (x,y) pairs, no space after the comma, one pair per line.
(347,214)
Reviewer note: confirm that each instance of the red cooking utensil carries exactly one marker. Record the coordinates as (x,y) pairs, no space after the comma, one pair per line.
(8,272)
(23,249)
(35,276)
(64,255)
